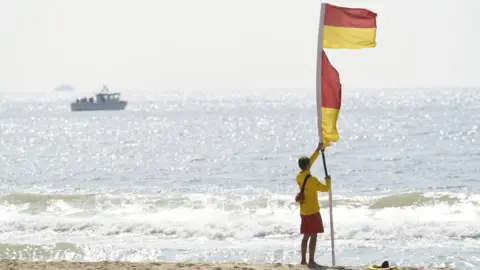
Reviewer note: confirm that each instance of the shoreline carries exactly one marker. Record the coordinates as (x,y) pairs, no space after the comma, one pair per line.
(124,265)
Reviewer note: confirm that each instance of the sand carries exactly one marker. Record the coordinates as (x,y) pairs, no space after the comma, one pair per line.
(57,265)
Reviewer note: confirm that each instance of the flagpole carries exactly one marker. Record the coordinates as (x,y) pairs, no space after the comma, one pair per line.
(319,119)
(319,72)
(330,201)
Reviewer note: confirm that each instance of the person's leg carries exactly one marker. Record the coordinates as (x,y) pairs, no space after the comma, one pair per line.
(315,221)
(304,248)
(306,236)
(312,247)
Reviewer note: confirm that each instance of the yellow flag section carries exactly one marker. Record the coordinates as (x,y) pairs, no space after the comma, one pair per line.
(349,28)
(331,101)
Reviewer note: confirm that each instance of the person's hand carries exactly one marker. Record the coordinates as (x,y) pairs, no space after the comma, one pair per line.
(320,146)
(327,178)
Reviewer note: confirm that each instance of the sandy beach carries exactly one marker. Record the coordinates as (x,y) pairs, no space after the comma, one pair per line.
(110,265)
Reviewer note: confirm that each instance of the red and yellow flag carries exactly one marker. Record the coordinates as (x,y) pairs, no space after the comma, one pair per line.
(343,28)
(331,101)
(349,28)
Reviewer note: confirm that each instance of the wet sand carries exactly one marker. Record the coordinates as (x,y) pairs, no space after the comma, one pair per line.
(121,265)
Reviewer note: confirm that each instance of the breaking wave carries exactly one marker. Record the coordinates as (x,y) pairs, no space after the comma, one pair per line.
(37,203)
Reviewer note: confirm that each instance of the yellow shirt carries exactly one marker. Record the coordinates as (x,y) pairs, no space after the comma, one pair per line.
(310,204)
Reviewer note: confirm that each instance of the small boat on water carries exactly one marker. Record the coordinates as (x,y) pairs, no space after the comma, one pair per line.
(64,87)
(104,101)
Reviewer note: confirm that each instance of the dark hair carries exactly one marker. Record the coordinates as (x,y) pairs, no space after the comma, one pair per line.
(303,162)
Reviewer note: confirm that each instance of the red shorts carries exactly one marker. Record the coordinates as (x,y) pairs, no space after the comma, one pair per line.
(311,224)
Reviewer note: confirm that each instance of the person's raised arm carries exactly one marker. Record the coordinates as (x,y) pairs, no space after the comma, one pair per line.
(315,154)
(324,187)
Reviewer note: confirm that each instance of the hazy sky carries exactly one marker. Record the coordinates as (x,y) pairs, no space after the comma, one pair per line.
(229,44)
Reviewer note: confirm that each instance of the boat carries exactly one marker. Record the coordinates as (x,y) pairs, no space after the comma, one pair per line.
(64,87)
(104,101)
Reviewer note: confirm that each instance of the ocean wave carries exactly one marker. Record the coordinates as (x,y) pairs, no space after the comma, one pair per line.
(415,215)
(37,203)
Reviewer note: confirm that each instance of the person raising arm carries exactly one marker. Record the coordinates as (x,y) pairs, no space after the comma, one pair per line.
(311,220)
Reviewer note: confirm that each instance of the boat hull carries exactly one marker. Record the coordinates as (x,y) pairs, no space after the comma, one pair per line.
(104,106)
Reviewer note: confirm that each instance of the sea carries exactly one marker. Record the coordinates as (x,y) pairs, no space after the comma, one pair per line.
(209,176)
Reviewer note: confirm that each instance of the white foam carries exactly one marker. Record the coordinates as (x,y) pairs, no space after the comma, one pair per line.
(213,218)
